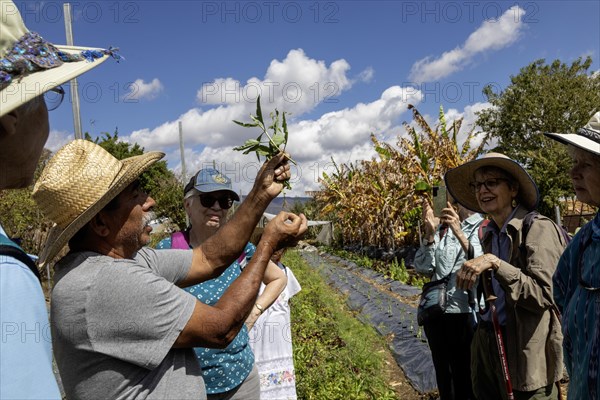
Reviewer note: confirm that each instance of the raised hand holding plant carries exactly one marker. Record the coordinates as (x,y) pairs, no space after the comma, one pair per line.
(275,142)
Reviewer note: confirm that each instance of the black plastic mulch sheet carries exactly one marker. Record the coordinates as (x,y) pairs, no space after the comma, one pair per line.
(385,313)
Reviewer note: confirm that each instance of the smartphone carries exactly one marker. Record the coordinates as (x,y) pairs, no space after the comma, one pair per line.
(440,200)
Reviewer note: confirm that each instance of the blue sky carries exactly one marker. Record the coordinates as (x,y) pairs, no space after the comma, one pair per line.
(343,69)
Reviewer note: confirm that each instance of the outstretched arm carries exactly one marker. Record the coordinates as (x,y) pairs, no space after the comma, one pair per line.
(218,252)
(216,326)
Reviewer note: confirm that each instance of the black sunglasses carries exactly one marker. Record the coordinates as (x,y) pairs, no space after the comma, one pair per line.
(208,200)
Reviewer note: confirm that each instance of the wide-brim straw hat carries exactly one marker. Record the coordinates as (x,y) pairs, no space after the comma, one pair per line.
(30,66)
(458,181)
(586,138)
(78,182)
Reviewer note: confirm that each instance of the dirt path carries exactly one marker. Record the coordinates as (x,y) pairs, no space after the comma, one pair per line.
(397,380)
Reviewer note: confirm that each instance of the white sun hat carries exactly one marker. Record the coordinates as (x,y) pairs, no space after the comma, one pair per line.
(586,138)
(30,66)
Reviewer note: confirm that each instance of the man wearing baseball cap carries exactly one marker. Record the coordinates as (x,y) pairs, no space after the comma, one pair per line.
(30,68)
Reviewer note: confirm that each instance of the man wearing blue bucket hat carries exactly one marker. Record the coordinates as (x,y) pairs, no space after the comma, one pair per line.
(230,372)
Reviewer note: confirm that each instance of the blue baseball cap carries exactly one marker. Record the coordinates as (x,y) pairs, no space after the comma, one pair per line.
(210,180)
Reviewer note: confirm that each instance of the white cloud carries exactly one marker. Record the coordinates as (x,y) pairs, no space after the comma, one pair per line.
(58,139)
(141,90)
(296,84)
(366,75)
(491,35)
(344,135)
(209,135)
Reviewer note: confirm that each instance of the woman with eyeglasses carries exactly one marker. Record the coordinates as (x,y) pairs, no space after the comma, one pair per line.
(577,277)
(228,373)
(516,352)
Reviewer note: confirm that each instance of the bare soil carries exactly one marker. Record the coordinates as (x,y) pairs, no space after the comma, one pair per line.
(397,380)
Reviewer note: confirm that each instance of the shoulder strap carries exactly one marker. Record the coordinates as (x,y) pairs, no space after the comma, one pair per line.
(179,241)
(11,249)
(527,221)
(481,229)
(447,277)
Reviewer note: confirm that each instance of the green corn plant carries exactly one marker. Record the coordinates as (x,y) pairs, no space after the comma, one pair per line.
(376,202)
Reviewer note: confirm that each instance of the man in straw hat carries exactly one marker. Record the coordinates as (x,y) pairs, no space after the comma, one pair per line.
(30,68)
(121,328)
(577,278)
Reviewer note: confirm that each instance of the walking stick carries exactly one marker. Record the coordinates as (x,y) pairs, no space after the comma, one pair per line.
(490,298)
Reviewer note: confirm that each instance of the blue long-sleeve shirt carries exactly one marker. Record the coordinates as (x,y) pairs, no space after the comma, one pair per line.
(445,255)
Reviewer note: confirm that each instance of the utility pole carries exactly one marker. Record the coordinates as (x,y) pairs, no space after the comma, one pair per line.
(183,171)
(74,84)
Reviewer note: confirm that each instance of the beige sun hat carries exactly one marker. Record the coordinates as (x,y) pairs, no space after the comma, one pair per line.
(30,66)
(78,182)
(458,181)
(586,138)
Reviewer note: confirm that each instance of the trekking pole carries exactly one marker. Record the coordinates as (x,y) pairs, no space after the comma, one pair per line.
(490,298)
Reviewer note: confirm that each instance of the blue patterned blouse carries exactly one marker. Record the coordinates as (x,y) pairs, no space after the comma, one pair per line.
(581,311)
(222,369)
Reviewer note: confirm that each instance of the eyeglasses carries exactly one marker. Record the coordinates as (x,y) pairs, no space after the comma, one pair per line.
(54,98)
(490,184)
(208,201)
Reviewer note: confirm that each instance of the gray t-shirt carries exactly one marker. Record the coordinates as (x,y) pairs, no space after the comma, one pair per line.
(114,323)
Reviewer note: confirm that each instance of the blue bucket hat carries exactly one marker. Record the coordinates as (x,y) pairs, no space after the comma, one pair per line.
(210,180)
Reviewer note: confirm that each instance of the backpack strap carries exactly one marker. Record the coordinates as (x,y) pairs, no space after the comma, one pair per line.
(527,222)
(481,230)
(179,241)
(11,249)
(562,234)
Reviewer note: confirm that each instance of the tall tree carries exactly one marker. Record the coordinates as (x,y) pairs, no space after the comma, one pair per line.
(20,216)
(158,181)
(24,222)
(542,98)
